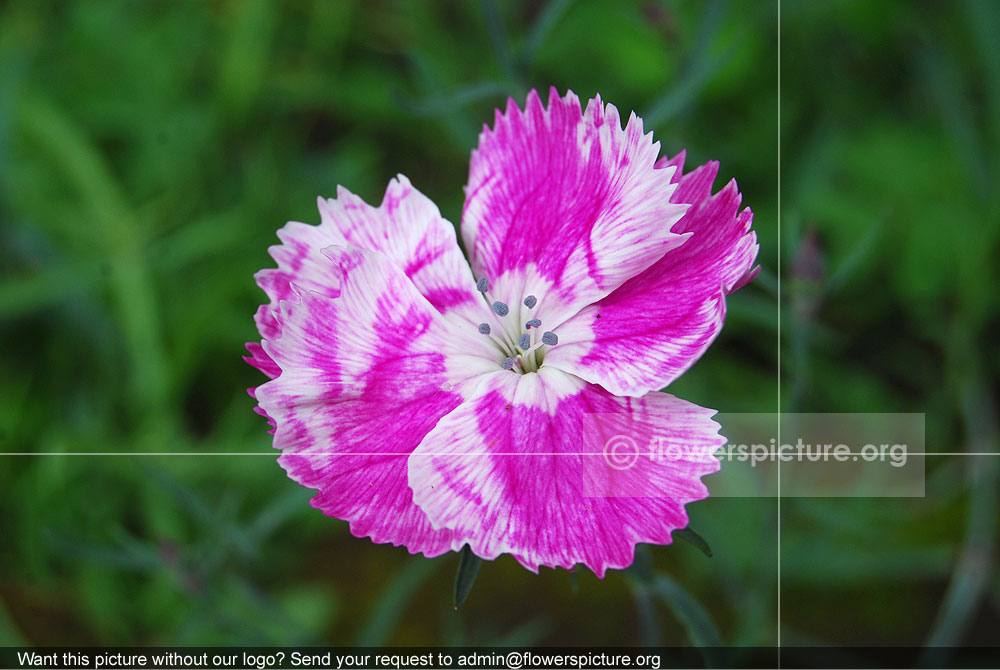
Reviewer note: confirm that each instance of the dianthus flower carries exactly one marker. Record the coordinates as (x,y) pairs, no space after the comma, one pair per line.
(432,404)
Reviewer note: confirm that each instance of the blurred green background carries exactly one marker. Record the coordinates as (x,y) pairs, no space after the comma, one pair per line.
(150,150)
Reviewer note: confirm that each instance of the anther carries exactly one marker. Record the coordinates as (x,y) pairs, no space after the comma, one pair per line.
(483,285)
(508,363)
(530,302)
(550,338)
(534,323)
(484,328)
(500,308)
(524,341)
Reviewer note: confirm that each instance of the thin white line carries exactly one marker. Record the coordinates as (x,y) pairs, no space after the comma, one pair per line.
(442,453)
(831,459)
(141,453)
(779,333)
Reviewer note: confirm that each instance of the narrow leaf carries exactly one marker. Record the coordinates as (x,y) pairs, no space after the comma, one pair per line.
(468,568)
(649,621)
(392,601)
(693,617)
(443,104)
(689,535)
(499,38)
(546,20)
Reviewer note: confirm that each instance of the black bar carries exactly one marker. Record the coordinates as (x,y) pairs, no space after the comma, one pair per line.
(489,658)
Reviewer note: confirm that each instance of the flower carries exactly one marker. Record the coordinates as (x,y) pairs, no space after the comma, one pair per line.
(434,405)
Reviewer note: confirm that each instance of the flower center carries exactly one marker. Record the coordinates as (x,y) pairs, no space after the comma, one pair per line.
(523,350)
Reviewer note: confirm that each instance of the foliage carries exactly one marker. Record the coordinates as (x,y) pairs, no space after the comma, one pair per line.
(148,152)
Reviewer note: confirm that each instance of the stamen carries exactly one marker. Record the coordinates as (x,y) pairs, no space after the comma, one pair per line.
(548,338)
(517,349)
(497,331)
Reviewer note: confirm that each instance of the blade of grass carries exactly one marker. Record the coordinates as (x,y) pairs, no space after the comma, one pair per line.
(499,38)
(528,634)
(446,104)
(692,616)
(695,619)
(20,296)
(392,601)
(970,578)
(856,256)
(75,157)
(547,19)
(10,636)
(945,80)
(984,20)
(649,620)
(697,71)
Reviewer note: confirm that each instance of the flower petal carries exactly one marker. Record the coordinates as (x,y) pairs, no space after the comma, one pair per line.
(407,227)
(523,469)
(566,200)
(645,334)
(363,378)
(300,260)
(259,358)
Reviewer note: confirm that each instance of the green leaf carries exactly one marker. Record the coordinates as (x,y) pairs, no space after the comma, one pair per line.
(468,568)
(698,71)
(688,535)
(649,621)
(695,620)
(693,617)
(546,20)
(499,38)
(391,603)
(442,104)
(9,633)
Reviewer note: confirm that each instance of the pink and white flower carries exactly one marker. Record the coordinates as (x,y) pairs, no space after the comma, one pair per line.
(432,404)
